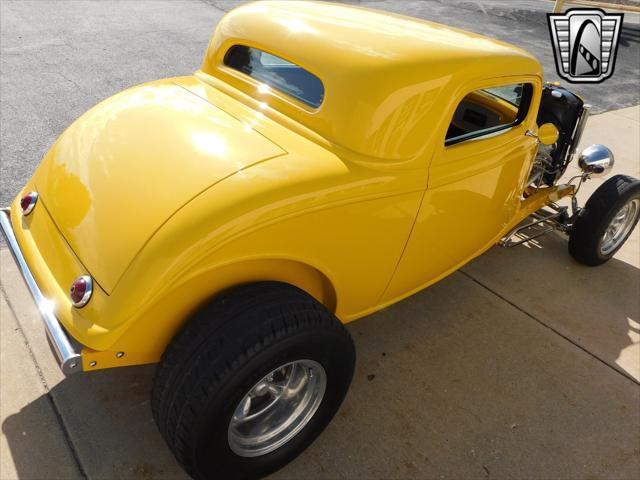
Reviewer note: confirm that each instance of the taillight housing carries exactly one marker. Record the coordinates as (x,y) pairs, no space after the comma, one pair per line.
(81,290)
(28,202)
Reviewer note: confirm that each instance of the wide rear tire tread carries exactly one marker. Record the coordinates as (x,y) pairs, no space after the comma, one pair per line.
(218,341)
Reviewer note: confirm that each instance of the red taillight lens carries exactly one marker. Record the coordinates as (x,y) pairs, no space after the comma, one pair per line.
(28,202)
(81,290)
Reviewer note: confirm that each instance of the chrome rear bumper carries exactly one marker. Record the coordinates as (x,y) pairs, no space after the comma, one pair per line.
(68,357)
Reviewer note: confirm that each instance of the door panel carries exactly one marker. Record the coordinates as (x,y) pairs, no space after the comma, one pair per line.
(474,191)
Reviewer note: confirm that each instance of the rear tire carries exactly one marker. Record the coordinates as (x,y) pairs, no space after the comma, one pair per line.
(224,354)
(606,221)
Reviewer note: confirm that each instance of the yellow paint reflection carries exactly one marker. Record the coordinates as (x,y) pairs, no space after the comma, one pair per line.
(296,25)
(209,143)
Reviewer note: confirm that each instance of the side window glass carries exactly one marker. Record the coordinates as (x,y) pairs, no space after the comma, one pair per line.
(489,110)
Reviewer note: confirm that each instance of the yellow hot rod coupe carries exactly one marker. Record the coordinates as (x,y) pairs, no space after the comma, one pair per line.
(326,161)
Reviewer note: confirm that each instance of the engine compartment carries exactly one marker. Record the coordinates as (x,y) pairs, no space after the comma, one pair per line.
(568,113)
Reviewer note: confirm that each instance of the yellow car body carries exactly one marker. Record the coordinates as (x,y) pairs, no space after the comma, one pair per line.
(174,191)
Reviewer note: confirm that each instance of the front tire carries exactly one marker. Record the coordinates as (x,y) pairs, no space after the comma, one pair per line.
(234,360)
(606,221)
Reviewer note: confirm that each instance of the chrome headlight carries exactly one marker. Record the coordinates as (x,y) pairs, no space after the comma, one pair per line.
(596,160)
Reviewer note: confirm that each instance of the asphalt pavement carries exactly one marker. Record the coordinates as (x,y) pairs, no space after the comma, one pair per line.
(59,58)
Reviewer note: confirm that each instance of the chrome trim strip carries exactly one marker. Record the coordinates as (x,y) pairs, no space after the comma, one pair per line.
(68,358)
(579,129)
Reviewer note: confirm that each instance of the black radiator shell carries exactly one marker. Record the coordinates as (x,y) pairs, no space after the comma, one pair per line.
(562,108)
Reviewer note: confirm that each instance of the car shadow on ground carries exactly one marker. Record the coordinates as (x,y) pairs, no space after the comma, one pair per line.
(454,381)
(108,421)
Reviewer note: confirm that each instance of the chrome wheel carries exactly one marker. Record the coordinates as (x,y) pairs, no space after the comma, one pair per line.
(620,227)
(277,408)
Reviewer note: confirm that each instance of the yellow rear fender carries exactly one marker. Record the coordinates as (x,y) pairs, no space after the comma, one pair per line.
(159,324)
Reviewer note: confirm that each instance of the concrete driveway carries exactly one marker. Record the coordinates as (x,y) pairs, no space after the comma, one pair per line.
(523,364)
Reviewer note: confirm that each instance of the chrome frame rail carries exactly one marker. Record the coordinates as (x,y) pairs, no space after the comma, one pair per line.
(68,358)
(539,220)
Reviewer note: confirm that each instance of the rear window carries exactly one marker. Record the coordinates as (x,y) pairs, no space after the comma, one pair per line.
(276,72)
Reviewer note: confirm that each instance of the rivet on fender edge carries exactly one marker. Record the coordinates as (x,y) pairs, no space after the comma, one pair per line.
(120,354)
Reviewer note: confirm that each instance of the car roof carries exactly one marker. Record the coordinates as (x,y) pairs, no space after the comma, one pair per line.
(364,57)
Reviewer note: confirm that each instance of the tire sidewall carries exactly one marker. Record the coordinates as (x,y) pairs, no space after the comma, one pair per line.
(589,228)
(213,456)
(605,221)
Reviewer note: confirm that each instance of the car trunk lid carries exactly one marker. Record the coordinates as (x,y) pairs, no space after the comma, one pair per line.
(123,168)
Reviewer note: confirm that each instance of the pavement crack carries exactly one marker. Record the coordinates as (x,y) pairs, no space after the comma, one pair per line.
(43,381)
(557,332)
(66,78)
(214,4)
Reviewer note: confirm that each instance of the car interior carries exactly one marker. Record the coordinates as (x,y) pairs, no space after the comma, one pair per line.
(485,111)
